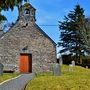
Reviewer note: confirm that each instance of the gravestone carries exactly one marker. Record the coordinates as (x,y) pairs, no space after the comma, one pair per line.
(86,67)
(71,66)
(1,69)
(57,69)
(73,63)
(61,61)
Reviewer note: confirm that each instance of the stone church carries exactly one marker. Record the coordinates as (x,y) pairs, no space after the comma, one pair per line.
(25,46)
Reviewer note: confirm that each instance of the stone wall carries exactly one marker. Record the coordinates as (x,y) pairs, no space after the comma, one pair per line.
(27,34)
(42,49)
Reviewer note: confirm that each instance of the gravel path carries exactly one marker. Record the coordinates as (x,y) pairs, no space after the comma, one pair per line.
(17,84)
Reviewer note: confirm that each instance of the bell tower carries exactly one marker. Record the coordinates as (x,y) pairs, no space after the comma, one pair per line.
(27,13)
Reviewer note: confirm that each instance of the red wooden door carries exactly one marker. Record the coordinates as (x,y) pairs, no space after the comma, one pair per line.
(25,63)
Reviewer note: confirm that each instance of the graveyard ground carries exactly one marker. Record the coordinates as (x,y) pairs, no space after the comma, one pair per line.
(6,76)
(79,79)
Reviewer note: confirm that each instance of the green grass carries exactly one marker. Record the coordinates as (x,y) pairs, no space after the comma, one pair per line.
(79,79)
(6,76)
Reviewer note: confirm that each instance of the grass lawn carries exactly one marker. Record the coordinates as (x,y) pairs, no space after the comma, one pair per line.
(6,76)
(79,79)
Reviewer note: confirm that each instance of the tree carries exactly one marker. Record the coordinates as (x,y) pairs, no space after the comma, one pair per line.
(8,4)
(2,17)
(71,38)
(86,33)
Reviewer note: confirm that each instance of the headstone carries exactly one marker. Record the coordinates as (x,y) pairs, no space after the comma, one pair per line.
(73,63)
(57,69)
(86,67)
(1,69)
(70,67)
(61,61)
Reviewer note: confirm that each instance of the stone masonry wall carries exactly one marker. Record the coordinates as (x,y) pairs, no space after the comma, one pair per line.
(25,33)
(42,49)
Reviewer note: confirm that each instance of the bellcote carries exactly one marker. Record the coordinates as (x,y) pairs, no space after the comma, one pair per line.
(27,13)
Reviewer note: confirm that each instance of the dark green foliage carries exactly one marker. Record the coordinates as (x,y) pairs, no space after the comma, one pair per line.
(70,28)
(86,33)
(8,4)
(2,17)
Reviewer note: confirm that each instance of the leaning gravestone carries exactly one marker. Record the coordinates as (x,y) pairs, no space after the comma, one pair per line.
(57,69)
(1,69)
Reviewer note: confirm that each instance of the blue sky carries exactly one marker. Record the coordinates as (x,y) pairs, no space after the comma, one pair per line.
(49,12)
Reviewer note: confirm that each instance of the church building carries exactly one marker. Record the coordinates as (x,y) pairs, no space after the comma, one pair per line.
(25,46)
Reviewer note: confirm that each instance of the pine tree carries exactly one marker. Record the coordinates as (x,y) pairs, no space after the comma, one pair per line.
(71,38)
(86,33)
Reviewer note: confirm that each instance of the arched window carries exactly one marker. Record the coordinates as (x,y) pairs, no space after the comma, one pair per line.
(27,12)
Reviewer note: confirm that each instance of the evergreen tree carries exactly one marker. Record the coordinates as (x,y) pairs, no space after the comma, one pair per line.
(71,38)
(86,33)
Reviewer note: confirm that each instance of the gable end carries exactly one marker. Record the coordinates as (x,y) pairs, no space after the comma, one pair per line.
(45,34)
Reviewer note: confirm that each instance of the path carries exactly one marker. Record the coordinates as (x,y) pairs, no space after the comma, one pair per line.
(17,84)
